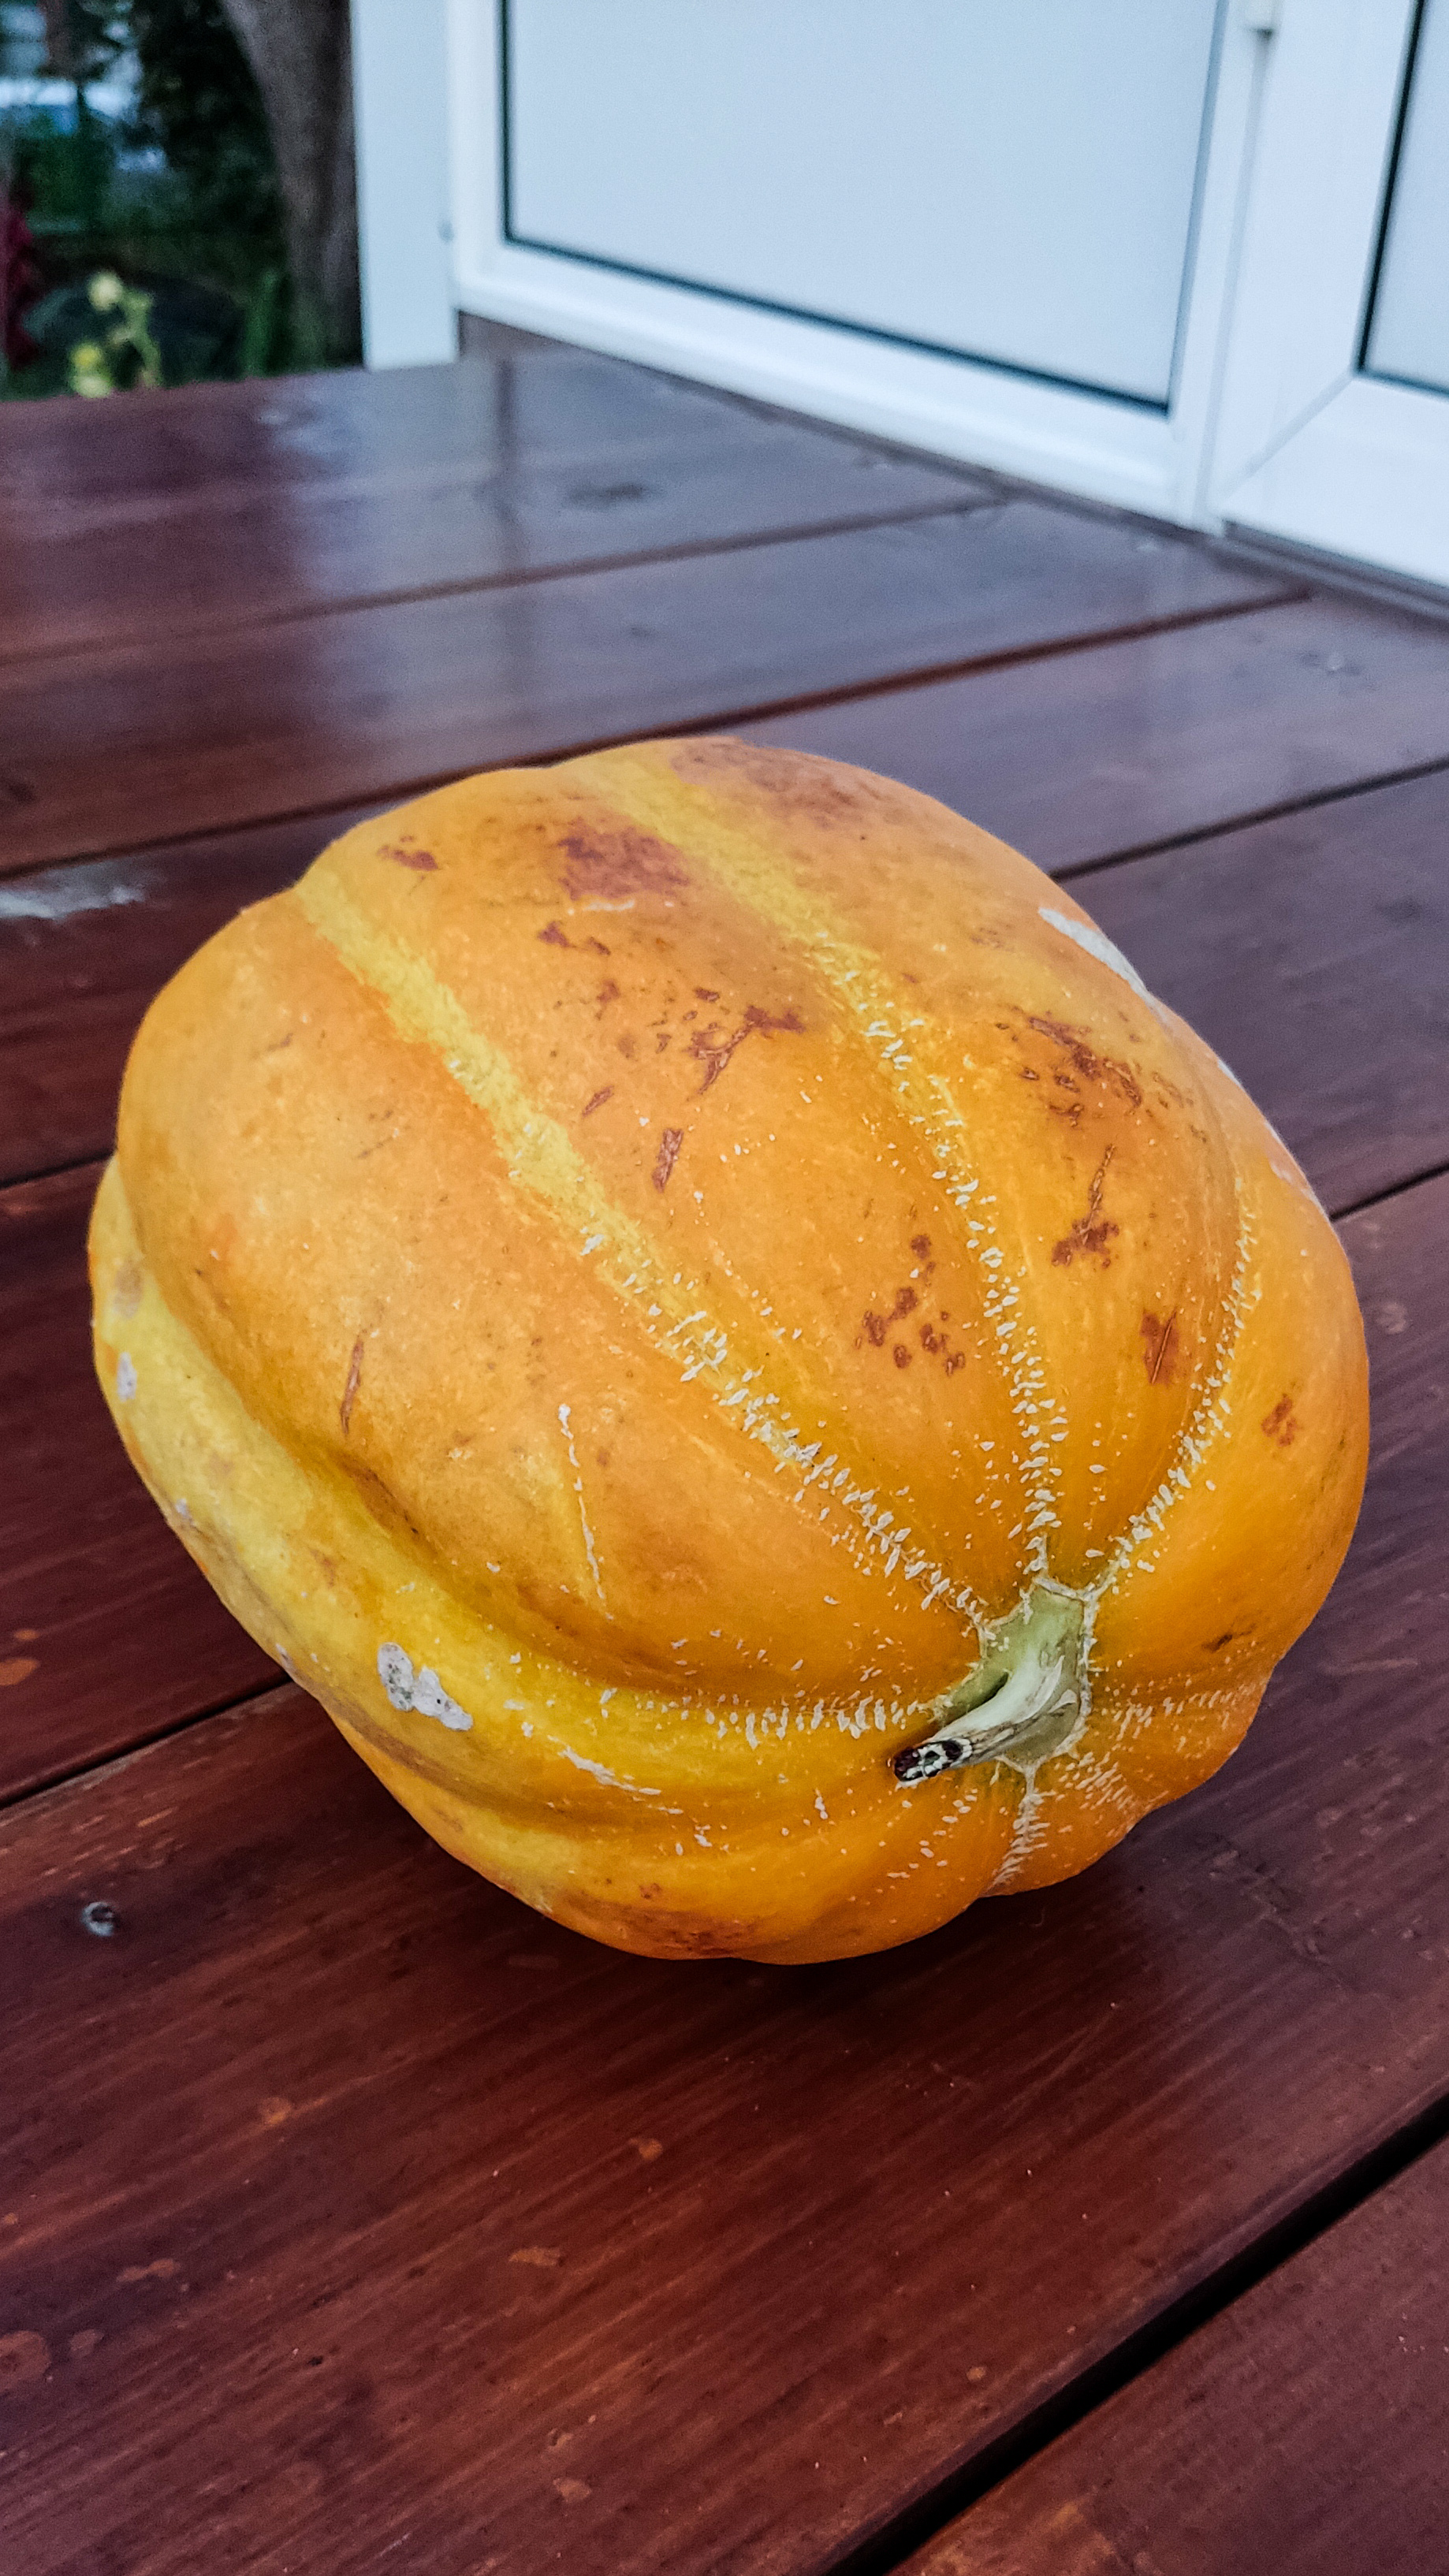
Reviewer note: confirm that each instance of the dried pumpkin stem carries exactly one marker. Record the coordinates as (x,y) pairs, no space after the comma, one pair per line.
(1022,1701)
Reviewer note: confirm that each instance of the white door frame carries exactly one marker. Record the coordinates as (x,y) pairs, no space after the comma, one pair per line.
(1308,448)
(1147,459)
(404,215)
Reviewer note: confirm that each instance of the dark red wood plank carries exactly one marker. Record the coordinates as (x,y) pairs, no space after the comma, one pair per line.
(106,1637)
(1306,2430)
(1161,736)
(83,949)
(243,557)
(73,468)
(357,2211)
(111,750)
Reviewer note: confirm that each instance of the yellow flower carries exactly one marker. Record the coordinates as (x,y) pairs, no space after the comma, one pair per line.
(89,374)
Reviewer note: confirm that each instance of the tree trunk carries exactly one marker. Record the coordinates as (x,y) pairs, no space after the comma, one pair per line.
(59,50)
(301,53)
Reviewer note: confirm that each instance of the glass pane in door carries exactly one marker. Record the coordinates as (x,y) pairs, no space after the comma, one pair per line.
(1408,333)
(1013,183)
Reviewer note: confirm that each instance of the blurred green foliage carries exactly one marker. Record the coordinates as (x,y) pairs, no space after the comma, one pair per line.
(179,201)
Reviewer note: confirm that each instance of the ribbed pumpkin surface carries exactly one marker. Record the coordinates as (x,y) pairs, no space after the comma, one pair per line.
(658,1286)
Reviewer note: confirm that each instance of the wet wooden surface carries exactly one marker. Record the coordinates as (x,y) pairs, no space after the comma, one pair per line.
(1160,737)
(156,738)
(1305,2430)
(352,2216)
(449,494)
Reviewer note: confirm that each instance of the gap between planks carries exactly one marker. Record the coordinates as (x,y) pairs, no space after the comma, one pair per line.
(715,720)
(1308,802)
(1241,2271)
(529,576)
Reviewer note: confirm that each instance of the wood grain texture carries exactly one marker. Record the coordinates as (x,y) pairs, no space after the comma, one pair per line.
(71,469)
(111,750)
(1160,736)
(357,2211)
(108,1634)
(83,949)
(240,557)
(1305,2430)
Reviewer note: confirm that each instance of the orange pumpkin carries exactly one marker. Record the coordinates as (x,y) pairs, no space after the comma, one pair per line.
(697,1303)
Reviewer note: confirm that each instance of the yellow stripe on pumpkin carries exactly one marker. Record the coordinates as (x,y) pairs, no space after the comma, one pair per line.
(543,1161)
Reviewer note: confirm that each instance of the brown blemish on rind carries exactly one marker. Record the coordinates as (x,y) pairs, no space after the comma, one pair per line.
(1281,1424)
(874,1328)
(1090,1234)
(598,1100)
(714,1052)
(378,1498)
(422,860)
(613,865)
(554,935)
(1085,1061)
(825,790)
(349,1392)
(126,1289)
(667,1156)
(1160,1348)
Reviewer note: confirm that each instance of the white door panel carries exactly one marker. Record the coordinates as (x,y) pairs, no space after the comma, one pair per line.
(1344,288)
(1409,332)
(1190,255)
(1016,184)
(1334,73)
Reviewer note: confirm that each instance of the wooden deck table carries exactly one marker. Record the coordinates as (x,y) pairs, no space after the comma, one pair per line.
(352,2217)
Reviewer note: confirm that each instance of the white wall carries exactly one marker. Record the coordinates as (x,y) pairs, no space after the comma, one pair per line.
(404,210)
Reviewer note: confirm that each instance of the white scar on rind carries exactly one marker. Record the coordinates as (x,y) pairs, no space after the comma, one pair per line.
(1098,945)
(608,1779)
(564,1420)
(421,1691)
(125,1378)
